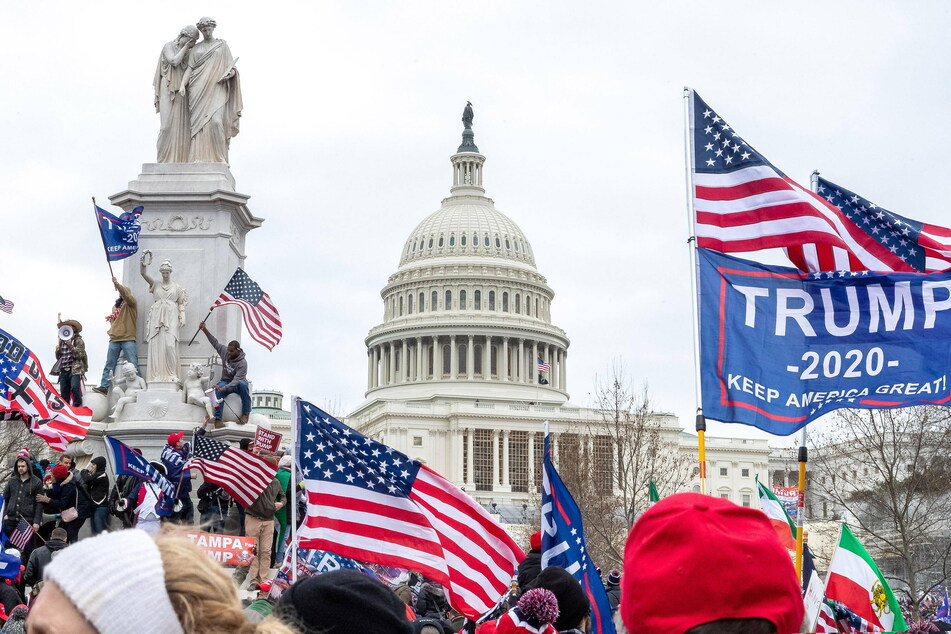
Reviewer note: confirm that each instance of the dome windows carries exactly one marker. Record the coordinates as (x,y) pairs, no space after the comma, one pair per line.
(463,239)
(448,300)
(505,302)
(516,245)
(507,245)
(452,241)
(477,300)
(498,243)
(440,241)
(430,243)
(491,300)
(486,240)
(435,301)
(462,294)
(422,302)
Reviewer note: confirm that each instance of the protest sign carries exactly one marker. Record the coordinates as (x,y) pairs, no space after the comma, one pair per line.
(267,440)
(230,550)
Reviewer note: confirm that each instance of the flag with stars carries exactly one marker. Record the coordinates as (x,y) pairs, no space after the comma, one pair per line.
(374,504)
(743,203)
(27,392)
(564,545)
(6,305)
(241,473)
(909,243)
(260,316)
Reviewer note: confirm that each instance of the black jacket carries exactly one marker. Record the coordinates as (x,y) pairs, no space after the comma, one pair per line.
(9,596)
(530,567)
(66,495)
(39,558)
(96,488)
(20,497)
(614,596)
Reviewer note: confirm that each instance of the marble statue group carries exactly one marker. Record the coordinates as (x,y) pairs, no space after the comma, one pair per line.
(197,96)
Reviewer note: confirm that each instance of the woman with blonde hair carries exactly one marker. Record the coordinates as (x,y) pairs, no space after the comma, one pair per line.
(126,581)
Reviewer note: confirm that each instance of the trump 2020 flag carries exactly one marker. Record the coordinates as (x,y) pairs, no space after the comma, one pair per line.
(374,504)
(564,544)
(128,462)
(120,234)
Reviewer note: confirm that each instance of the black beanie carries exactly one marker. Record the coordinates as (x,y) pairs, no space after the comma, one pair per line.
(344,602)
(100,463)
(573,604)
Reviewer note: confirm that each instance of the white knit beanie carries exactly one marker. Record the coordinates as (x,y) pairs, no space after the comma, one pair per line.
(104,576)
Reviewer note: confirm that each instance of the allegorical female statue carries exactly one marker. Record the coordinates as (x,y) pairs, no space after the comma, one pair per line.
(166,318)
(172,106)
(213,89)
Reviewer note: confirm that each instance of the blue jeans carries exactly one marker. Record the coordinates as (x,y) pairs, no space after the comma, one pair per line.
(70,388)
(112,359)
(242,389)
(100,519)
(281,542)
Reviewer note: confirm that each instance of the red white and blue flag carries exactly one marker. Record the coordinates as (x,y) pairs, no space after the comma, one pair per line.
(22,534)
(260,315)
(564,544)
(743,203)
(6,305)
(120,234)
(26,391)
(543,366)
(241,473)
(374,504)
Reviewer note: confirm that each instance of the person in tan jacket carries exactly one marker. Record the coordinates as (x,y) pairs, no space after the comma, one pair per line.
(121,336)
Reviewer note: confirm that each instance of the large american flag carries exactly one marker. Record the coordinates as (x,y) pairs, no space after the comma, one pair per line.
(27,392)
(260,315)
(743,203)
(923,247)
(6,305)
(241,473)
(374,504)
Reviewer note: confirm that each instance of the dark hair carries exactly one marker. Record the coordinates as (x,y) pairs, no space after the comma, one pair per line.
(44,463)
(118,302)
(235,344)
(734,626)
(244,443)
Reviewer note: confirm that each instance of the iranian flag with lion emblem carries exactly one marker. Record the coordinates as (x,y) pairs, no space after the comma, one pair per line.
(855,581)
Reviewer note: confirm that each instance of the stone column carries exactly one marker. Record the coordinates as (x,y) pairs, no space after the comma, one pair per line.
(453,358)
(437,359)
(391,352)
(404,361)
(419,359)
(506,435)
(564,370)
(534,365)
(495,459)
(470,468)
(504,366)
(470,358)
(521,361)
(531,461)
(369,368)
(487,358)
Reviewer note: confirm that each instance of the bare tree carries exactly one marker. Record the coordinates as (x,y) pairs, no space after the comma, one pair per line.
(887,473)
(609,466)
(13,436)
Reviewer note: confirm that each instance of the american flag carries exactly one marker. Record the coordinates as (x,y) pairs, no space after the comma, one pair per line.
(6,305)
(825,622)
(242,474)
(743,203)
(25,389)
(374,504)
(923,247)
(850,622)
(260,315)
(542,366)
(22,534)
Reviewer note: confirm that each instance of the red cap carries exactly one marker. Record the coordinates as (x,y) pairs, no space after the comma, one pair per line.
(692,559)
(174,438)
(535,541)
(60,472)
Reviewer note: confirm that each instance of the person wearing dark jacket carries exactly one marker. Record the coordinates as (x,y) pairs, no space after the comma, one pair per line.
(613,589)
(20,497)
(65,495)
(124,485)
(213,504)
(95,485)
(174,456)
(234,376)
(44,555)
(532,564)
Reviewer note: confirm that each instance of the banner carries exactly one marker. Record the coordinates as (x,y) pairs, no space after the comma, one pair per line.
(309,563)
(120,235)
(267,440)
(789,498)
(230,550)
(779,347)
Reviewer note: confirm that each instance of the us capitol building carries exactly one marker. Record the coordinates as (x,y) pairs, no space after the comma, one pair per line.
(453,376)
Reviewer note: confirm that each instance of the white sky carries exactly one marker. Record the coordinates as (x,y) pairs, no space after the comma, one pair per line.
(352,110)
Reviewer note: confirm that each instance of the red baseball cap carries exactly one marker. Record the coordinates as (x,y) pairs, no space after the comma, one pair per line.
(174,438)
(691,559)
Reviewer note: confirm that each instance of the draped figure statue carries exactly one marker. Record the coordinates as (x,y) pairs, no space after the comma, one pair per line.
(172,106)
(166,318)
(213,89)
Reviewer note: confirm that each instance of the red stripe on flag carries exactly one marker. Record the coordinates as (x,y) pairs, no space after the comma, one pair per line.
(852,595)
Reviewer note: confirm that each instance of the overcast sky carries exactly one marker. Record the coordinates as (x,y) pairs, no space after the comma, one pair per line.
(352,109)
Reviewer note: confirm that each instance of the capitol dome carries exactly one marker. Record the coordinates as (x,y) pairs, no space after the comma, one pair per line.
(467,313)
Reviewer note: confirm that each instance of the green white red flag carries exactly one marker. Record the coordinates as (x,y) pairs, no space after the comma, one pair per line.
(855,581)
(784,525)
(652,495)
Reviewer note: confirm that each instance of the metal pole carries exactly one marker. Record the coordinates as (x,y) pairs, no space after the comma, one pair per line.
(295,428)
(701,423)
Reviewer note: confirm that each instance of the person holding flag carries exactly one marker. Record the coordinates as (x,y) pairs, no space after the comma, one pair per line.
(234,376)
(121,335)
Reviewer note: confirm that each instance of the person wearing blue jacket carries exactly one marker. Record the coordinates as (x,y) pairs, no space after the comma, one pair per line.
(174,456)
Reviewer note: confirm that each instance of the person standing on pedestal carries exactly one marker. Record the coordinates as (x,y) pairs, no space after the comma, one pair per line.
(234,376)
(213,88)
(121,335)
(172,106)
(166,318)
(71,354)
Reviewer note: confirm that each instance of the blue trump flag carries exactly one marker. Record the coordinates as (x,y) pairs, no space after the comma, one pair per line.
(780,347)
(564,545)
(120,235)
(128,462)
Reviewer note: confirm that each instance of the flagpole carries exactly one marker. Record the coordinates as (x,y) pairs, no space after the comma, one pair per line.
(201,322)
(295,426)
(701,422)
(101,237)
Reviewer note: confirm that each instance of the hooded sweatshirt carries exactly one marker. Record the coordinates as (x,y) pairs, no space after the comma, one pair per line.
(232,370)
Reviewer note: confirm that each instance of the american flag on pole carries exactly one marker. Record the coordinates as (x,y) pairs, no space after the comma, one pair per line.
(6,305)
(22,534)
(543,366)
(242,474)
(374,504)
(743,203)
(260,315)
(26,391)
(825,622)
(56,440)
(925,248)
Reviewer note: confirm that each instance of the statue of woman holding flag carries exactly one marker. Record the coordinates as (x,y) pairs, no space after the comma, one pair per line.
(166,318)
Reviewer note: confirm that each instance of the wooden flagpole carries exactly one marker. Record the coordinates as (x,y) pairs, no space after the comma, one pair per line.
(701,422)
